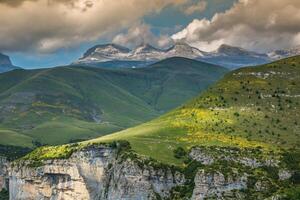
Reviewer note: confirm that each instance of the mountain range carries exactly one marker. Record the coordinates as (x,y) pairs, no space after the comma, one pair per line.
(6,64)
(116,56)
(112,55)
(58,105)
(239,140)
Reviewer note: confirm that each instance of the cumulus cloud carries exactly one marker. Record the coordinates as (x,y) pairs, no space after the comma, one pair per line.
(47,25)
(252,24)
(141,34)
(198,7)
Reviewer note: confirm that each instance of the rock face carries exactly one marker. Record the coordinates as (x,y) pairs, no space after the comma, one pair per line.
(206,157)
(215,185)
(91,174)
(112,55)
(3,173)
(104,173)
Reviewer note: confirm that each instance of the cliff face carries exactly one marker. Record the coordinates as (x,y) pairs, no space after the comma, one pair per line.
(91,174)
(3,173)
(101,173)
(216,185)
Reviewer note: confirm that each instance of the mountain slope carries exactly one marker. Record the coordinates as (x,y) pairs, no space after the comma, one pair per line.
(57,105)
(238,140)
(249,107)
(5,64)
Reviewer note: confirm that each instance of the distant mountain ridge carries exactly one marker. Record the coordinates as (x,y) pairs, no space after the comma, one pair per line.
(144,52)
(6,64)
(283,53)
(112,55)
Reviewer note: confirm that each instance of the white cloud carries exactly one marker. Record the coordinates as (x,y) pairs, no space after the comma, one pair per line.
(198,7)
(252,24)
(140,34)
(47,25)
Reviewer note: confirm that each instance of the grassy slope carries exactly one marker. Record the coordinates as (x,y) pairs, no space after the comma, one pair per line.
(255,106)
(57,105)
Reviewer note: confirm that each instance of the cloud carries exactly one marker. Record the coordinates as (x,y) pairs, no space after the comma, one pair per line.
(16,3)
(140,34)
(47,25)
(198,7)
(252,24)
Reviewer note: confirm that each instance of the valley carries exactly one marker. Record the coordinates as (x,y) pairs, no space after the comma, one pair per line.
(149,100)
(64,104)
(238,140)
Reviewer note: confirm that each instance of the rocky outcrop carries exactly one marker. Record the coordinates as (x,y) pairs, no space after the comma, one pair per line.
(3,174)
(96,173)
(215,185)
(102,172)
(208,156)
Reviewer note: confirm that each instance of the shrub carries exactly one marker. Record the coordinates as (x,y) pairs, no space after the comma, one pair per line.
(179,153)
(4,195)
(296,177)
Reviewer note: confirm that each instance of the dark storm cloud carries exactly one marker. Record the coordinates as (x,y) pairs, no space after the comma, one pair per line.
(47,25)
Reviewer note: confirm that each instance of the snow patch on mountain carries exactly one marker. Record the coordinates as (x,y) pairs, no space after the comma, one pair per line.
(226,55)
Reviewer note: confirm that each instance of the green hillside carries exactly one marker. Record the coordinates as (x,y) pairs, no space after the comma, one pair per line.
(64,104)
(249,107)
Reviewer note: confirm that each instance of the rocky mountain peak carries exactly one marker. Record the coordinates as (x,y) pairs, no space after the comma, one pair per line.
(184,50)
(106,49)
(4,60)
(231,50)
(146,48)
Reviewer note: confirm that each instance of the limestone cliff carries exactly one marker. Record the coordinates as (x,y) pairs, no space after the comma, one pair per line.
(102,172)
(95,173)
(3,173)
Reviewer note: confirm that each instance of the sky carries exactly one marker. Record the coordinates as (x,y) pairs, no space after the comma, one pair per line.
(46,33)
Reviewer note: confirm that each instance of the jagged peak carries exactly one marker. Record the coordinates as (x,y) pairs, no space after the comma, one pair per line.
(106,46)
(182,45)
(145,47)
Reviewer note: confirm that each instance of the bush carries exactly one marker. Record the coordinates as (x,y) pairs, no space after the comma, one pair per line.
(4,195)
(292,159)
(179,153)
(292,194)
(296,177)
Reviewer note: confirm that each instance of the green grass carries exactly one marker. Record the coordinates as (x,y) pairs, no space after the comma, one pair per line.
(54,106)
(244,109)
(64,131)
(9,137)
